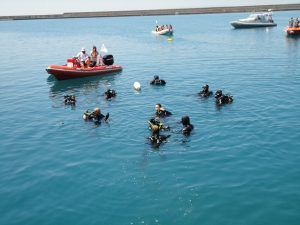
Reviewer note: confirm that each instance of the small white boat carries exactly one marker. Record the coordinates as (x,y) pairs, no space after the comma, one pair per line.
(255,20)
(163,32)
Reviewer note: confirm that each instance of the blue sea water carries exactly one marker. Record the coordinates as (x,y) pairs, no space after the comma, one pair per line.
(239,166)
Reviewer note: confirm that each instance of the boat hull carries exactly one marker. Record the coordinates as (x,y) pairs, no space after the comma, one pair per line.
(238,24)
(66,73)
(292,30)
(163,32)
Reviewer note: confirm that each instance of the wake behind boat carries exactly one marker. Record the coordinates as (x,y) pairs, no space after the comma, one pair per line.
(255,20)
(73,70)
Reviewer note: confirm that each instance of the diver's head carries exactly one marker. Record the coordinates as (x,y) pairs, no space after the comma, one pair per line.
(157,106)
(205,87)
(97,111)
(156,77)
(218,94)
(155,129)
(185,120)
(72,97)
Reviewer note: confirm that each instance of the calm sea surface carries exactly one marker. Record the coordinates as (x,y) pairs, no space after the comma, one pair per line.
(241,165)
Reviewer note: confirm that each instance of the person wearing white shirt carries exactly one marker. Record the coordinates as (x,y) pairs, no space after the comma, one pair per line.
(83,58)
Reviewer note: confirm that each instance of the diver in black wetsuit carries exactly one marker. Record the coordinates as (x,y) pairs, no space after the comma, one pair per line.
(156,122)
(157,81)
(205,92)
(69,100)
(109,94)
(222,99)
(95,116)
(187,127)
(156,139)
(161,112)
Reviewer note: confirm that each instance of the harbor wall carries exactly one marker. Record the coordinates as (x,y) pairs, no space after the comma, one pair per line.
(236,9)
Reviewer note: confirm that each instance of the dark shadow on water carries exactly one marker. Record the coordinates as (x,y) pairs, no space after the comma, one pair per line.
(63,86)
(84,86)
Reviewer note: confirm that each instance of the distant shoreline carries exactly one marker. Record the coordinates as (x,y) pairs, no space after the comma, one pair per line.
(212,10)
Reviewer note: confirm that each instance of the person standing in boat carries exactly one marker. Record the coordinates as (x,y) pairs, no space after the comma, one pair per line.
(296,24)
(94,54)
(291,22)
(83,58)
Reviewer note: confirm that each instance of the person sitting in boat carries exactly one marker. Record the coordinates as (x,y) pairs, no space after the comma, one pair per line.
(157,81)
(291,22)
(162,27)
(94,54)
(205,92)
(161,112)
(156,28)
(83,58)
(109,94)
(170,26)
(95,116)
(156,139)
(154,121)
(69,100)
(222,99)
(296,23)
(187,126)
(167,27)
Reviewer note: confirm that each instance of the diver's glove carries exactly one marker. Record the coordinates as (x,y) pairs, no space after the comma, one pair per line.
(106,117)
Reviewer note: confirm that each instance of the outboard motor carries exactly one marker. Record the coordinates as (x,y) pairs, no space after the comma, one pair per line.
(108,60)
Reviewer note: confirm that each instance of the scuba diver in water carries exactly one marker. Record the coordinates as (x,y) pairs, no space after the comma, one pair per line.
(156,122)
(95,116)
(205,92)
(109,94)
(161,112)
(69,100)
(187,127)
(156,139)
(222,99)
(157,81)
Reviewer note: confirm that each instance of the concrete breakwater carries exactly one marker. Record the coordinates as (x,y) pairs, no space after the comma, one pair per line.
(236,9)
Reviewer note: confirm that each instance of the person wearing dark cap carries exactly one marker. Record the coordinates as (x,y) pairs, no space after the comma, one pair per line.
(157,81)
(160,111)
(83,58)
(109,94)
(187,126)
(222,99)
(205,92)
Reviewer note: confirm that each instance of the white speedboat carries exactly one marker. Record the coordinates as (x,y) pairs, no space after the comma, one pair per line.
(163,32)
(255,20)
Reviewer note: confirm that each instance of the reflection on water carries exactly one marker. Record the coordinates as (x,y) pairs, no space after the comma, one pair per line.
(85,86)
(292,40)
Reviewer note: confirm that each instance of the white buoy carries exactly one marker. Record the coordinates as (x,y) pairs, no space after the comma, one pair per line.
(137,86)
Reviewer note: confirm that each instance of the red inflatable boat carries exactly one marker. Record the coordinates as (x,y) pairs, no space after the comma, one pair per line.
(72,70)
(292,30)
